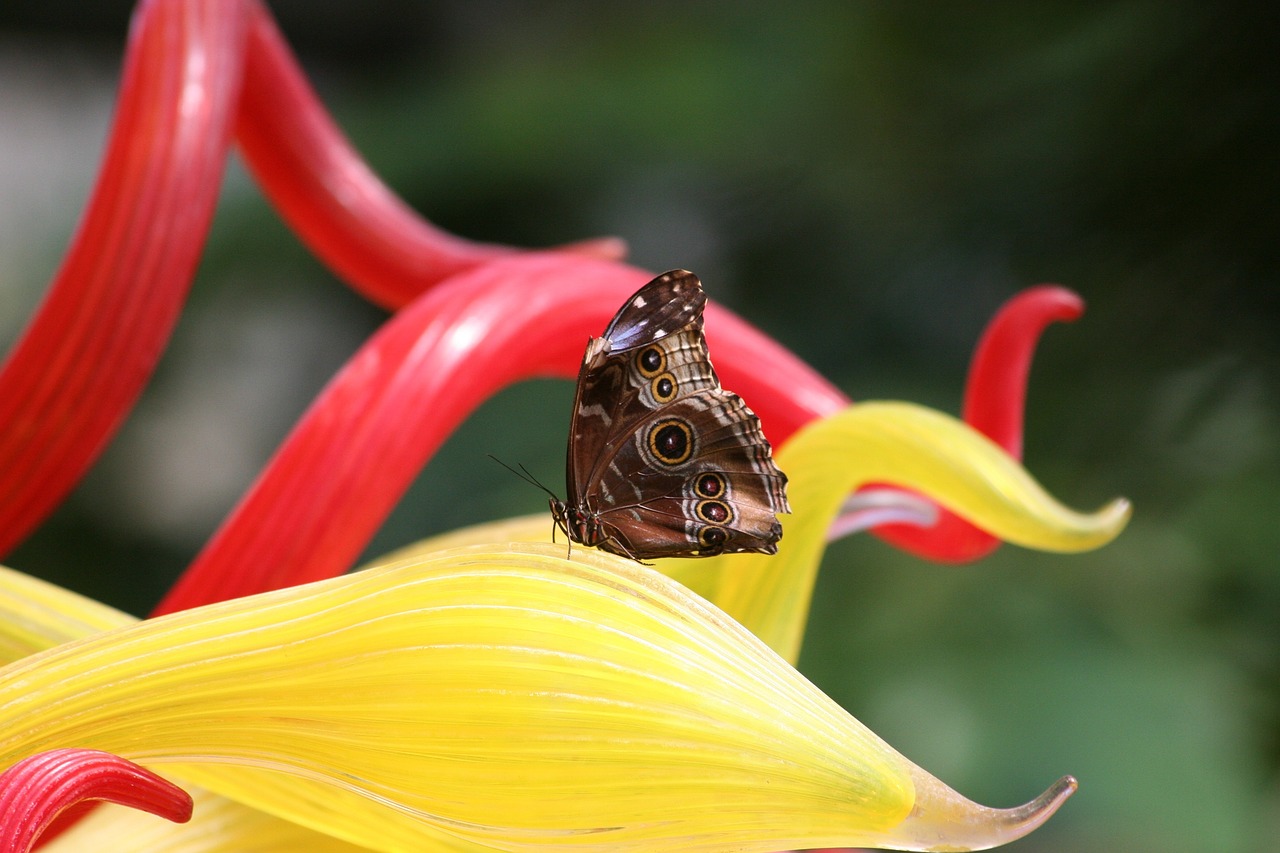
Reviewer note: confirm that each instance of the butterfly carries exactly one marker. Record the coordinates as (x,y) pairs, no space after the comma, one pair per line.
(662,461)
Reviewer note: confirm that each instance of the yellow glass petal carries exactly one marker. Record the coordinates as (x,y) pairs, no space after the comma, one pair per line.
(218,825)
(909,446)
(35,615)
(700,576)
(899,443)
(332,811)
(511,698)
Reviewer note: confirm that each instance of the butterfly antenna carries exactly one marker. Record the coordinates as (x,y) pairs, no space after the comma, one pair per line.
(524,474)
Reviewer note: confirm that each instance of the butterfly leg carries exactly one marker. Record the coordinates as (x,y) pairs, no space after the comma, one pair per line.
(621,549)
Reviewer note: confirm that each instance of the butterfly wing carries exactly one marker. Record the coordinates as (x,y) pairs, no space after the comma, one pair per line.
(651,353)
(671,302)
(663,460)
(695,478)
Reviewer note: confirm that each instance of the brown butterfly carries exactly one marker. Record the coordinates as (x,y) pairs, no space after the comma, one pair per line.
(662,461)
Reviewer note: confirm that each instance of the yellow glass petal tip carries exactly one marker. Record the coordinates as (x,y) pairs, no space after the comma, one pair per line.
(942,821)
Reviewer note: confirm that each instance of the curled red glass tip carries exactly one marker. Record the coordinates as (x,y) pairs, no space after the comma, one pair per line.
(37,790)
(994,404)
(996,392)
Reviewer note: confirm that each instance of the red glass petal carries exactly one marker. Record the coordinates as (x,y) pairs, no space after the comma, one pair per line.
(996,392)
(96,338)
(995,400)
(94,341)
(340,472)
(353,454)
(326,193)
(37,790)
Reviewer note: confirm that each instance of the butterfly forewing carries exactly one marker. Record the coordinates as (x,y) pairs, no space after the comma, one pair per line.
(665,305)
(618,385)
(662,461)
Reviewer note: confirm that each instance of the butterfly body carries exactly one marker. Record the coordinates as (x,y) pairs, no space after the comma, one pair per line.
(663,462)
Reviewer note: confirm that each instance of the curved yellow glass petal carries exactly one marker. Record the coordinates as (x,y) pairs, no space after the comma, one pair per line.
(218,825)
(507,697)
(899,443)
(36,615)
(908,446)
(700,576)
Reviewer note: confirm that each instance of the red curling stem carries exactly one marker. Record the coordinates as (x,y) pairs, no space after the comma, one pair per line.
(326,193)
(994,404)
(95,339)
(38,790)
(337,476)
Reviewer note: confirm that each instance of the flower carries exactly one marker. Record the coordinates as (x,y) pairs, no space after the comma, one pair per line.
(483,690)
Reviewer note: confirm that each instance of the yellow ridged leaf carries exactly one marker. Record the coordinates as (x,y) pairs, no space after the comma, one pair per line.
(36,615)
(902,444)
(699,576)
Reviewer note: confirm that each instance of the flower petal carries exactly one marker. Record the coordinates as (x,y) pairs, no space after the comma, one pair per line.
(507,697)
(329,195)
(913,447)
(994,404)
(37,789)
(346,463)
(194,71)
(996,392)
(699,576)
(93,343)
(338,475)
(36,615)
(218,825)
(919,449)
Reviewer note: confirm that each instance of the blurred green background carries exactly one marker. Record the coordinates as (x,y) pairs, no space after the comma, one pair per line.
(867,182)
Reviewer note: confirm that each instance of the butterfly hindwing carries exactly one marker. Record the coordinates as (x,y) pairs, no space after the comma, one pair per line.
(680,489)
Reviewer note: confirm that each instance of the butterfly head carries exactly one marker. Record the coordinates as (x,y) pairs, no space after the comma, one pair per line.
(560,513)
(579,526)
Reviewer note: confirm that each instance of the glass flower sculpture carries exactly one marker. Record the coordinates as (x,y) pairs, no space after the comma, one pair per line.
(481,690)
